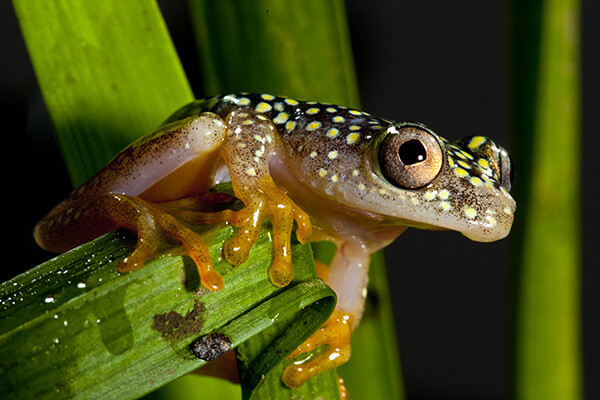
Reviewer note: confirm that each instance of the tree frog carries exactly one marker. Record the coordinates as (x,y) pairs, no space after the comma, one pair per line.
(340,174)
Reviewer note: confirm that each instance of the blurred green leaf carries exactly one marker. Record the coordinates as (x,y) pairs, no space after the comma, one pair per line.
(546,111)
(108,73)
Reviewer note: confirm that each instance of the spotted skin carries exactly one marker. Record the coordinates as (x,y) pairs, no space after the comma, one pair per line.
(317,165)
(329,144)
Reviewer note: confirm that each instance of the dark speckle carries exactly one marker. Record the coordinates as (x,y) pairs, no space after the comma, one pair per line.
(174,326)
(211,347)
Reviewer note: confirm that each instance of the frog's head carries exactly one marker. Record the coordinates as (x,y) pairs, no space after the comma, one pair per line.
(431,183)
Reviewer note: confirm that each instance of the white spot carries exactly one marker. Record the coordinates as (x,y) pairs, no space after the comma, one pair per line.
(430,194)
(445,205)
(313,154)
(322,172)
(81,285)
(49,300)
(355,172)
(470,212)
(332,154)
(251,171)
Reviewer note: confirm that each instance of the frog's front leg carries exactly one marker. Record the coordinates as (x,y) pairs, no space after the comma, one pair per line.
(252,140)
(348,277)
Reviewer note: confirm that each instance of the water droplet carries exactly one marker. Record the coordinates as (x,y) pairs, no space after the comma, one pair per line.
(56,340)
(81,285)
(49,299)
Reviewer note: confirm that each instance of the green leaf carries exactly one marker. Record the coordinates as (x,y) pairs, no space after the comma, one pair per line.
(546,83)
(108,73)
(74,327)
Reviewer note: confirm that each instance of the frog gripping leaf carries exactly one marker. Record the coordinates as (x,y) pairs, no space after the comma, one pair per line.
(339,174)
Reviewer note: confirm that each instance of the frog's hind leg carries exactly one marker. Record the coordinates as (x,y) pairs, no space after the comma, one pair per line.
(348,276)
(102,214)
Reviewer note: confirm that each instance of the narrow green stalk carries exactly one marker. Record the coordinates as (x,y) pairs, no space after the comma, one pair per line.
(545,67)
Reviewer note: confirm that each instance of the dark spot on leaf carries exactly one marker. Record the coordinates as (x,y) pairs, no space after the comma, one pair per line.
(211,347)
(174,326)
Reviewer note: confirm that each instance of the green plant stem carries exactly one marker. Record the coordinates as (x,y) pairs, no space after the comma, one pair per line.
(545,67)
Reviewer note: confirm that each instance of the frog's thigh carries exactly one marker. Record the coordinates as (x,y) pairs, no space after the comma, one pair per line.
(349,276)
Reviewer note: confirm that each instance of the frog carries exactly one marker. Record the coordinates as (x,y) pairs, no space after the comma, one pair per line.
(322,171)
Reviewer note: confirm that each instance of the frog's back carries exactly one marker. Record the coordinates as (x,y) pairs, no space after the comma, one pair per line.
(294,118)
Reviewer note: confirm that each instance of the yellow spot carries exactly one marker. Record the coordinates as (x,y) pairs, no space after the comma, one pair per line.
(376,126)
(445,205)
(484,163)
(267,96)
(332,154)
(263,107)
(355,172)
(313,126)
(278,106)
(450,162)
(354,112)
(414,201)
(281,118)
(259,138)
(430,194)
(461,172)
(291,102)
(333,133)
(334,178)
(290,126)
(444,194)
(241,145)
(322,173)
(382,191)
(339,119)
(244,101)
(354,127)
(251,171)
(470,212)
(313,110)
(352,138)
(476,141)
(475,181)
(248,122)
(464,164)
(491,220)
(461,154)
(507,210)
(331,109)
(313,154)
(361,186)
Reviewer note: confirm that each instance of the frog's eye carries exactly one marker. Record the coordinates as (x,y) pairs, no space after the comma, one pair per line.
(410,158)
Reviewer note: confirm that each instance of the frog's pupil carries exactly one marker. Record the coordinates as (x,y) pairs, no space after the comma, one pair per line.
(412,152)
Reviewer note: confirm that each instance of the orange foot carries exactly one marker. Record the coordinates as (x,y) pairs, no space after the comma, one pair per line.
(335,334)
(145,218)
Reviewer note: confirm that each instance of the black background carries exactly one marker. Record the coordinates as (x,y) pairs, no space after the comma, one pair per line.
(443,63)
